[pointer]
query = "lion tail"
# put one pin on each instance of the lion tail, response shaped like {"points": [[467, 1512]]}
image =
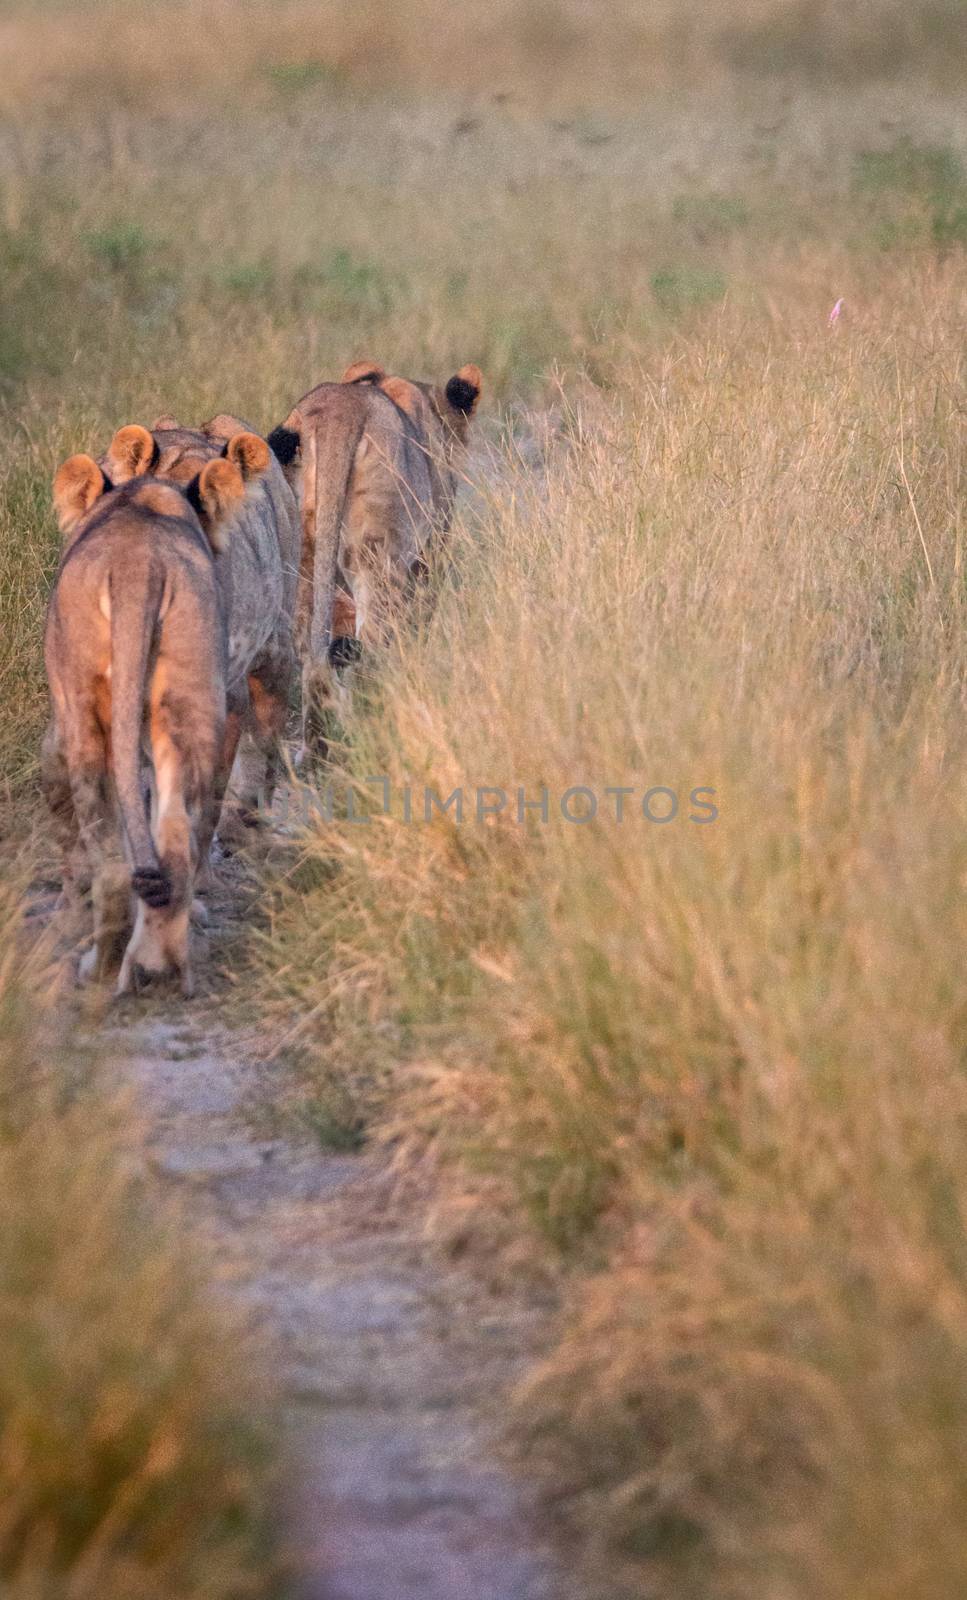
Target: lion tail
{"points": [[135, 609], [329, 454]]}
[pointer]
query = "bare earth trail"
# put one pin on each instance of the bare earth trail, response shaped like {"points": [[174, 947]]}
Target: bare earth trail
{"points": [[392, 1372]]}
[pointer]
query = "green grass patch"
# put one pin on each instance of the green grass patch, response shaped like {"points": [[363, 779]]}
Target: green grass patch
{"points": [[680, 289]]}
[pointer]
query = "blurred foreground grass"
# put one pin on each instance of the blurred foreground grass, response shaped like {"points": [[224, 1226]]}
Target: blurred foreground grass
{"points": [[136, 1452]]}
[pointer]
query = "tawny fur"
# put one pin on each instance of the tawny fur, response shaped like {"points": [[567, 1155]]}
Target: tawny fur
{"points": [[257, 577], [373, 460], [135, 653]]}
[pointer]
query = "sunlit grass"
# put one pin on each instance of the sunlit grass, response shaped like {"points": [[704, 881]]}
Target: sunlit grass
{"points": [[720, 1063]]}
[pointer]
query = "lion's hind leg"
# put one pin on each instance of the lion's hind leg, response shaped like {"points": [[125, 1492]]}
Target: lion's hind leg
{"points": [[184, 779], [55, 786], [269, 690], [260, 764], [92, 831]]}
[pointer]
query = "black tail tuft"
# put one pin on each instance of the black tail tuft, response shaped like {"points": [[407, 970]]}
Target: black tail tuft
{"points": [[284, 444], [152, 885], [344, 651], [461, 394]]}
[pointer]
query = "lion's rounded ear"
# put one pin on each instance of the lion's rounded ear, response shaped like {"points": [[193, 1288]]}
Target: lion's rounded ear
{"points": [[363, 372], [78, 484], [216, 494], [407, 396], [132, 452], [250, 454], [166, 423], [463, 389], [223, 426]]}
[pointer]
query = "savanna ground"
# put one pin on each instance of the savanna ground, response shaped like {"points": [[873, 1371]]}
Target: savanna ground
{"points": [[702, 1081]]}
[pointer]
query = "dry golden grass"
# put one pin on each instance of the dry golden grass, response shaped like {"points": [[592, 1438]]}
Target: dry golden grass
{"points": [[135, 1456], [721, 1064]]}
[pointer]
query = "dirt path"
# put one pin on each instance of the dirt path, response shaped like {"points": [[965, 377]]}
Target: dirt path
{"points": [[392, 1372]]}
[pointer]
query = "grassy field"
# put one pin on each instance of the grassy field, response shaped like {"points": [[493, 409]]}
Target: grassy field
{"points": [[709, 1075]]}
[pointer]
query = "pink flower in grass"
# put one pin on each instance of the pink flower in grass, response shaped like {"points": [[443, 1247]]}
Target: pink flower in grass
{"points": [[835, 313]]}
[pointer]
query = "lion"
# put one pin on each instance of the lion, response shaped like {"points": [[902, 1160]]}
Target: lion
{"points": [[373, 460], [257, 576], [442, 415], [135, 650]]}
